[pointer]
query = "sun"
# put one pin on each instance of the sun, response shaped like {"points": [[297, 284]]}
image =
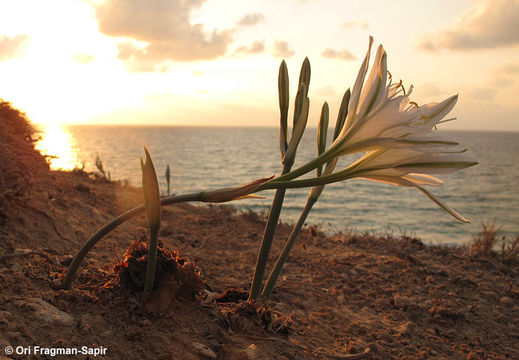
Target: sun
{"points": [[58, 146]]}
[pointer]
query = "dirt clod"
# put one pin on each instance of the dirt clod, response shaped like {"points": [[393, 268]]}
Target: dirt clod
{"points": [[179, 273]]}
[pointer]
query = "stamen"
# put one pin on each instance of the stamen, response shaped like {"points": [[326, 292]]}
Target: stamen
{"points": [[451, 119], [398, 87], [402, 86]]}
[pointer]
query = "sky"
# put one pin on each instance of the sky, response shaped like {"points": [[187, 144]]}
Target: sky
{"points": [[215, 62]]}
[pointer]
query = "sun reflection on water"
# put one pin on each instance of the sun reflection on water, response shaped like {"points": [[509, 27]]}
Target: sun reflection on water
{"points": [[57, 143]]}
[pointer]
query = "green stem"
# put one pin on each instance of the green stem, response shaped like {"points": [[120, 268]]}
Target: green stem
{"points": [[309, 166], [151, 261], [322, 180], [267, 290], [345, 174], [266, 240], [76, 262]]}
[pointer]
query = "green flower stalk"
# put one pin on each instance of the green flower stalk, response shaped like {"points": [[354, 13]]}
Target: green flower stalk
{"points": [[288, 153], [99, 165], [168, 178], [150, 188], [315, 191]]}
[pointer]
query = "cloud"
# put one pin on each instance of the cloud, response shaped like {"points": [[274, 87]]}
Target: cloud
{"points": [[480, 115], [326, 92], [165, 30], [127, 49], [82, 58], [505, 75], [488, 24], [483, 94], [282, 49], [501, 81], [354, 25], [429, 90], [12, 47], [256, 47], [251, 19], [341, 54], [509, 69]]}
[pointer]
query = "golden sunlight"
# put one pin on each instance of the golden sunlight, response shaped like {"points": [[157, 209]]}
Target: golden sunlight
{"points": [[57, 145]]}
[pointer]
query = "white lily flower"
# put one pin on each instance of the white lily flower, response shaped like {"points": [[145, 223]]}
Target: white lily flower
{"points": [[397, 134], [381, 115]]}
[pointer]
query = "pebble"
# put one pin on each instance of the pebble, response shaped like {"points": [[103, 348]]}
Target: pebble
{"points": [[66, 260], [45, 311], [106, 333], [251, 352], [204, 350], [507, 301]]}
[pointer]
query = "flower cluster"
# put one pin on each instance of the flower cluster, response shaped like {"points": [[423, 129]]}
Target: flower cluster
{"points": [[395, 133]]}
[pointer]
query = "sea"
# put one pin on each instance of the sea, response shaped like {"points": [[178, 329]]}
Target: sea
{"points": [[204, 158]]}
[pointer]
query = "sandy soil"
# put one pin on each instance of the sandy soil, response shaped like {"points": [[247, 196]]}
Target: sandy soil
{"points": [[341, 297]]}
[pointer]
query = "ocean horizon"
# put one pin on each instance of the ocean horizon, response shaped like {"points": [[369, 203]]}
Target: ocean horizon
{"points": [[207, 157]]}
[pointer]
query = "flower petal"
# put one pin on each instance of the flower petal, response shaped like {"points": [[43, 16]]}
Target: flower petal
{"points": [[443, 205], [423, 179], [404, 182], [375, 84], [357, 89]]}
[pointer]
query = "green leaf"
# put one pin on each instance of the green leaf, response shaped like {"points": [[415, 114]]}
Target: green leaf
{"points": [[150, 187]]}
